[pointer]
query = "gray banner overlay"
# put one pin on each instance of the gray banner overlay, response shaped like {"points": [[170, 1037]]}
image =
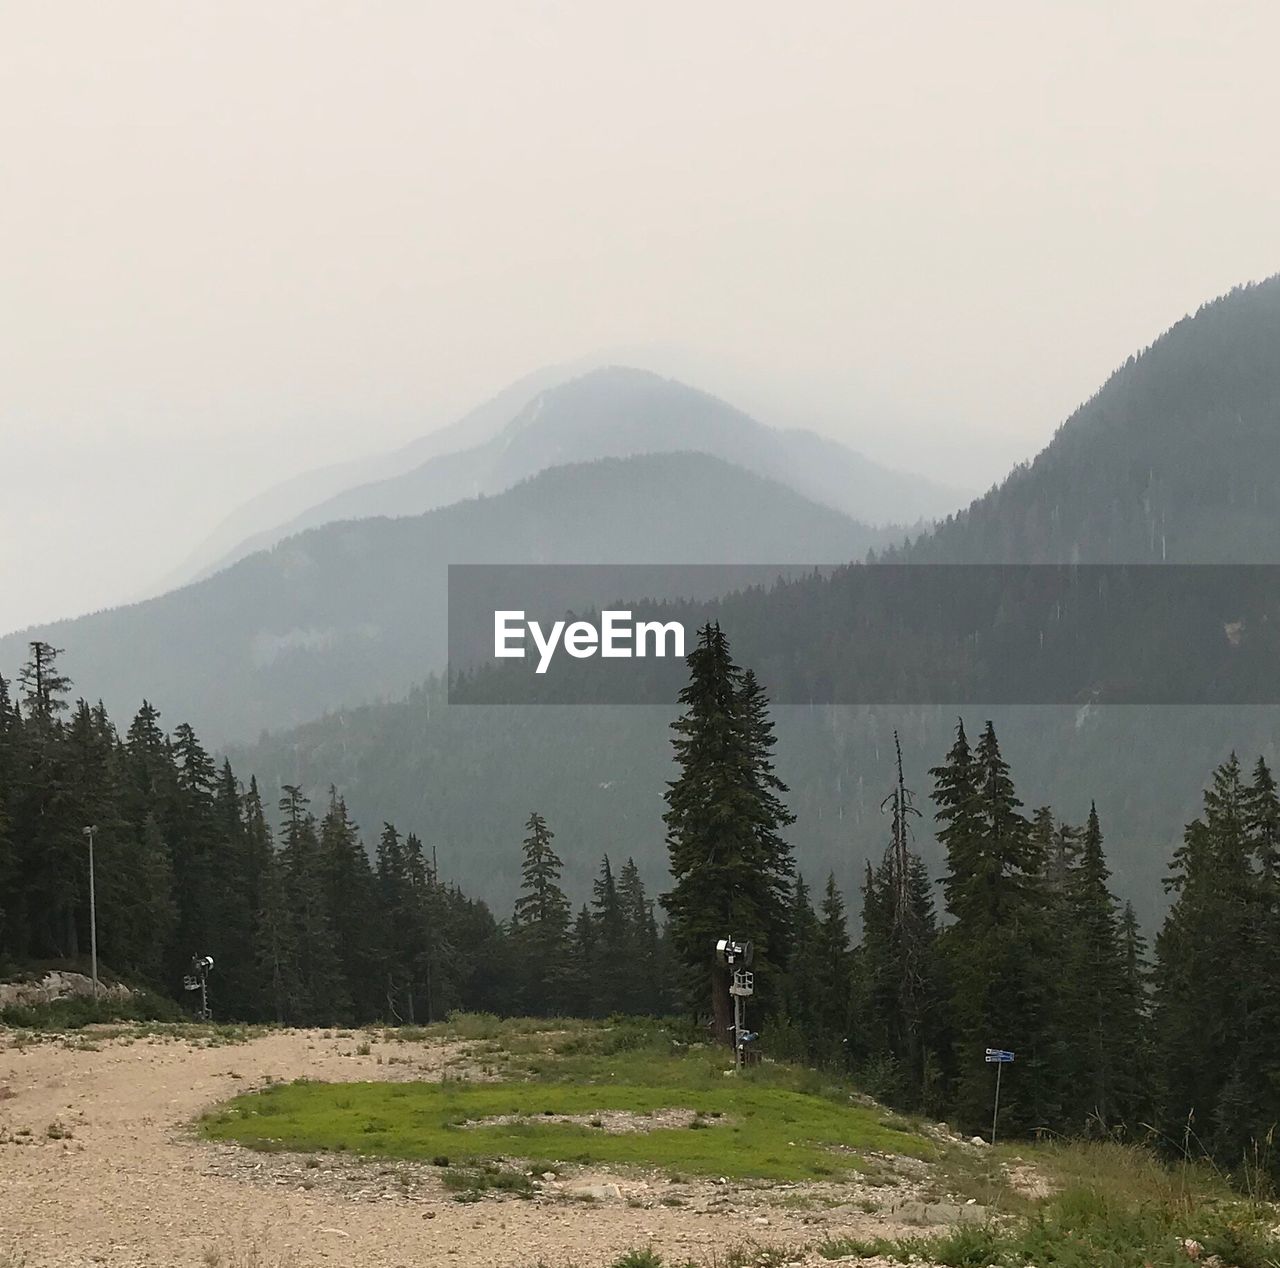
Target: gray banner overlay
{"points": [[871, 634]]}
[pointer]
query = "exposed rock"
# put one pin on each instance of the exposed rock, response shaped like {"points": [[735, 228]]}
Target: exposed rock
{"points": [[936, 1214], [56, 985]]}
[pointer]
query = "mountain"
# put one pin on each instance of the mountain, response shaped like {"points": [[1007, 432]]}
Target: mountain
{"points": [[1176, 458], [355, 611], [259, 517], [617, 412]]}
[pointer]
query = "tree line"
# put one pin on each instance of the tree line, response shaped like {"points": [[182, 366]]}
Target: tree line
{"points": [[1022, 946], [1022, 943], [306, 926]]}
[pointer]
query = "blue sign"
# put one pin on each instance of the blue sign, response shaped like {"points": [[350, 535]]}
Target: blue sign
{"points": [[999, 1054]]}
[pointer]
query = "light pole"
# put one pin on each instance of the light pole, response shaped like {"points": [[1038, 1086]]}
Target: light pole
{"points": [[93, 912]]}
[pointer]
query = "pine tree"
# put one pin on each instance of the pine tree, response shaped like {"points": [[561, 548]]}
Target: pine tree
{"points": [[49, 841], [191, 831], [277, 945], [44, 685], [580, 967], [996, 953], [1105, 1029], [833, 981], [9, 879], [645, 990], [907, 992], [232, 901], [322, 990], [802, 1001], [1254, 1117], [614, 971], [541, 923], [729, 865], [395, 902], [771, 815], [1201, 1013], [351, 900], [418, 929]]}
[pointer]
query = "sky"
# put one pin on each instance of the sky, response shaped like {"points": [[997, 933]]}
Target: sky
{"points": [[239, 240]]}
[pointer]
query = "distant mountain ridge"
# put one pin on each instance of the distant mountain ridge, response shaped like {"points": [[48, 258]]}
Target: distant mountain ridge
{"points": [[618, 412], [1177, 457], [260, 515], [354, 611]]}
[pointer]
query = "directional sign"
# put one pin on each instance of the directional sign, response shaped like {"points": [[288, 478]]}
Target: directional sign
{"points": [[999, 1054]]}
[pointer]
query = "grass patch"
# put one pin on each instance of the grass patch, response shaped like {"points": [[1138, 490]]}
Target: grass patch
{"points": [[1119, 1208], [77, 1011], [780, 1125], [471, 1184]]}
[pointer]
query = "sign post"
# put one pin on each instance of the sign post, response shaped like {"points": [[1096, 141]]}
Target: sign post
{"points": [[999, 1057]]}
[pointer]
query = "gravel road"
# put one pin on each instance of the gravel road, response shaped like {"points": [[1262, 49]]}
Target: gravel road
{"points": [[98, 1165]]}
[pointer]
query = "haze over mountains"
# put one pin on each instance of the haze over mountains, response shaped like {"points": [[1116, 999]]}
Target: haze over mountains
{"points": [[610, 412], [257, 518], [1176, 458], [354, 611], [1151, 453]]}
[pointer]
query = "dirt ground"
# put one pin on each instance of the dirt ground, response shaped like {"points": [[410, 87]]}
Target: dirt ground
{"points": [[99, 1165]]}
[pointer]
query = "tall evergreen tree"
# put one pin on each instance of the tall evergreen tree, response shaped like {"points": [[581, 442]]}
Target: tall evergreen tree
{"points": [[322, 990], [1001, 981], [833, 982], [396, 901], [351, 899], [802, 1001], [541, 924], [1202, 1013], [1106, 1030], [729, 865], [614, 971], [646, 982]]}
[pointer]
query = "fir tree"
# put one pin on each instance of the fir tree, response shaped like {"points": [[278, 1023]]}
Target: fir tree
{"points": [[729, 866], [1202, 1013], [395, 902], [802, 1000], [322, 990], [1104, 1027], [541, 923], [580, 967], [614, 971], [833, 980], [351, 899], [646, 993], [995, 949]]}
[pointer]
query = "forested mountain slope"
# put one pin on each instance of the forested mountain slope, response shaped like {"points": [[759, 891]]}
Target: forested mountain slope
{"points": [[1178, 457], [354, 611]]}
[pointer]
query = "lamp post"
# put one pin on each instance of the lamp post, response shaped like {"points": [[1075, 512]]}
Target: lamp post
{"points": [[93, 912]]}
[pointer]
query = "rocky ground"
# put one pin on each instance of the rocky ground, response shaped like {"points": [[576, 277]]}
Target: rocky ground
{"points": [[99, 1165]]}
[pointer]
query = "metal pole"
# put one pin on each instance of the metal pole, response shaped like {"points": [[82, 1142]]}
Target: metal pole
{"points": [[995, 1113], [737, 1031], [93, 913]]}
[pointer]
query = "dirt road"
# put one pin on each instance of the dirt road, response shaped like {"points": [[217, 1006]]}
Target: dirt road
{"points": [[98, 1165]]}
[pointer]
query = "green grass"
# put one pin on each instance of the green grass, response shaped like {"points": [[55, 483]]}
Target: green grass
{"points": [[777, 1123], [1117, 1206], [1087, 1228], [78, 1011]]}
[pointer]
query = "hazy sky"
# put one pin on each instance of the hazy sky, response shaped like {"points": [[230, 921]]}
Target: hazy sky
{"points": [[240, 239]]}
